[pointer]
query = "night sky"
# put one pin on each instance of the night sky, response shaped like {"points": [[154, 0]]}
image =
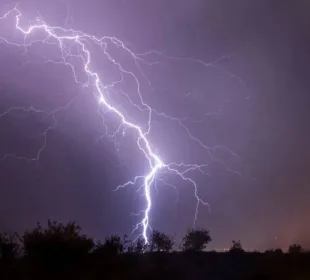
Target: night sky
{"points": [[252, 104]]}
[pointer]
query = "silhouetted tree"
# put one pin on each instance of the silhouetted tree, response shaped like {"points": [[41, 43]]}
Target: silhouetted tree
{"points": [[295, 249], [278, 252], [196, 240], [113, 245], [159, 241], [137, 246], [140, 246], [56, 242], [274, 253], [9, 247], [236, 247]]}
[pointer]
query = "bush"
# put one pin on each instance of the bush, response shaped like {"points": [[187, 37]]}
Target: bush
{"points": [[295, 249], [9, 248], [196, 240], [160, 242], [56, 242], [137, 247], [113, 245], [236, 247]]}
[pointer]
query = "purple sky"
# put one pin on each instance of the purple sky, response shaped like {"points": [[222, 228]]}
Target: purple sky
{"points": [[259, 94]]}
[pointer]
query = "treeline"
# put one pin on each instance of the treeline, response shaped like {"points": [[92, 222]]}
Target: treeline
{"points": [[58, 240], [66, 242]]}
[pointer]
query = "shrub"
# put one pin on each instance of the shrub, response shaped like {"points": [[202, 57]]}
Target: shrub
{"points": [[196, 240]]}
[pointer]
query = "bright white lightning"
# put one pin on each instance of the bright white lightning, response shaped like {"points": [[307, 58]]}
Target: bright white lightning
{"points": [[68, 37]]}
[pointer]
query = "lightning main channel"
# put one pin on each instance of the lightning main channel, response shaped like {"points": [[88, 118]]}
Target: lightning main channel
{"points": [[67, 39]]}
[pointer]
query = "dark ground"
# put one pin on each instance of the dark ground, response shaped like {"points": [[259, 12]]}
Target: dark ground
{"points": [[215, 266]]}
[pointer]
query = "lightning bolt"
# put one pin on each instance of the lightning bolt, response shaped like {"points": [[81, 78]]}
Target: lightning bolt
{"points": [[76, 46]]}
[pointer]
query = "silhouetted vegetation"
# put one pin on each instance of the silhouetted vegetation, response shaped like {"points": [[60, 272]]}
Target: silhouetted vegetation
{"points": [[160, 242], [137, 247], [113, 245], [196, 240], [295, 249], [56, 242], [9, 247], [61, 251], [236, 247]]}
